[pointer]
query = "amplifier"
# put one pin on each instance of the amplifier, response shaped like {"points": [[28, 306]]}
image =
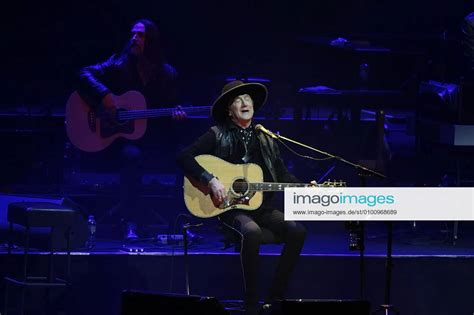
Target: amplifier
{"points": [[320, 307]]}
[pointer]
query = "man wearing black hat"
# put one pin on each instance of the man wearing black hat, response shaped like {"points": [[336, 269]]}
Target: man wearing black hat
{"points": [[235, 140]]}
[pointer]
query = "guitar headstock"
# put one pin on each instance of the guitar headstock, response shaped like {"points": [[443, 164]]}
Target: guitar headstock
{"points": [[333, 183]]}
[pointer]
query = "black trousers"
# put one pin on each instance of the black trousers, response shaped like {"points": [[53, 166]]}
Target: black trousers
{"points": [[131, 173], [249, 225]]}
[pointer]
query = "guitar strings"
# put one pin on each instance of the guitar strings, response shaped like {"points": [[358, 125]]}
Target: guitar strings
{"points": [[158, 111], [271, 186]]}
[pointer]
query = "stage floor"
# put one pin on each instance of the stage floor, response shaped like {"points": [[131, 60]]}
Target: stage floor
{"points": [[430, 274]]}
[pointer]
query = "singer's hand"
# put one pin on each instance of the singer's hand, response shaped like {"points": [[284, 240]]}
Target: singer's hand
{"points": [[217, 189]]}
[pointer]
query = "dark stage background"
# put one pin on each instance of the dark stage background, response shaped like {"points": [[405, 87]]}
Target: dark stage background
{"points": [[404, 43], [45, 44]]}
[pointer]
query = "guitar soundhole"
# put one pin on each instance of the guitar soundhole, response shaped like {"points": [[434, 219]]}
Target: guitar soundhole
{"points": [[240, 186]]}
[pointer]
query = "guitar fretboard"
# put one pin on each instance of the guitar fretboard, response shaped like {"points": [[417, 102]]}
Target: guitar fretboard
{"points": [[274, 186], [244, 186], [159, 112]]}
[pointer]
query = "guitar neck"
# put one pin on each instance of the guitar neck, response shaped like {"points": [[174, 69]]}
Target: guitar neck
{"points": [[274, 186], [159, 112]]}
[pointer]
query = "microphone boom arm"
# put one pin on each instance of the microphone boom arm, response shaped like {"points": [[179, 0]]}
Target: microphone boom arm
{"points": [[357, 166]]}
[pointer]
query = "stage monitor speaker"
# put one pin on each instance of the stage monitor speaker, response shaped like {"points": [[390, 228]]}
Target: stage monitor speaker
{"points": [[154, 303], [321, 307]]}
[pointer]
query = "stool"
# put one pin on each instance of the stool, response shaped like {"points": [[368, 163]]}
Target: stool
{"points": [[38, 214]]}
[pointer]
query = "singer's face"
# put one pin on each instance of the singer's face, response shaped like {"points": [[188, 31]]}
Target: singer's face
{"points": [[138, 39], [241, 110]]}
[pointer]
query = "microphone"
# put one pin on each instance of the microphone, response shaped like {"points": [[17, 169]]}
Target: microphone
{"points": [[266, 131]]}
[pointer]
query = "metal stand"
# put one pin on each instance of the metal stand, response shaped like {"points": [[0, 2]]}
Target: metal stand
{"points": [[360, 241], [186, 227], [186, 262], [363, 173], [387, 307], [362, 261]]}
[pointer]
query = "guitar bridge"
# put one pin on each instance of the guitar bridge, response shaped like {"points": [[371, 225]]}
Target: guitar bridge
{"points": [[232, 200], [91, 120], [109, 125]]}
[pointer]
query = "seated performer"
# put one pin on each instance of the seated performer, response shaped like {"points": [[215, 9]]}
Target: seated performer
{"points": [[236, 140], [140, 66]]}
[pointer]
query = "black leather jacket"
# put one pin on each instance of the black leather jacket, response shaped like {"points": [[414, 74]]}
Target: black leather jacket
{"points": [[223, 142], [118, 75]]}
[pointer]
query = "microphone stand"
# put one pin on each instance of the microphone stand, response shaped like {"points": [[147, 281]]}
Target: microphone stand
{"points": [[359, 167], [363, 173], [186, 227]]}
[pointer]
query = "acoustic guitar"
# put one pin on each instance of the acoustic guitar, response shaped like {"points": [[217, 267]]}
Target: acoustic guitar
{"points": [[243, 184], [93, 130]]}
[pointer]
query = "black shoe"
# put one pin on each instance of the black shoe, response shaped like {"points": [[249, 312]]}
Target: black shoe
{"points": [[252, 307], [271, 305], [266, 306], [266, 309]]}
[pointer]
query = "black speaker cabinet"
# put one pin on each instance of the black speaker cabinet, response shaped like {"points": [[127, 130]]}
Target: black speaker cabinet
{"points": [[321, 307], [154, 303]]}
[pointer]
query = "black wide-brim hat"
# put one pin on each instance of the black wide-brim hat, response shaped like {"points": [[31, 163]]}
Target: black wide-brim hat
{"points": [[257, 91]]}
